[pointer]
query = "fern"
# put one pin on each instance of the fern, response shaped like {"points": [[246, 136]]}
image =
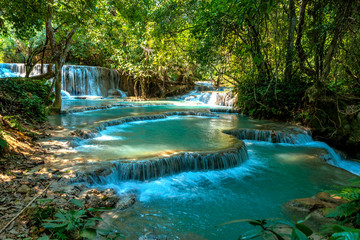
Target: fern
{"points": [[349, 212]]}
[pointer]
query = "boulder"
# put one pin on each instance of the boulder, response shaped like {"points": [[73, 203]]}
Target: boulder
{"points": [[100, 199], [23, 189], [318, 206]]}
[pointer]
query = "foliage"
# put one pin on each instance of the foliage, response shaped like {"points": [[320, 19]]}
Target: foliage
{"points": [[73, 224], [24, 98], [268, 229], [3, 143], [273, 100], [348, 212]]}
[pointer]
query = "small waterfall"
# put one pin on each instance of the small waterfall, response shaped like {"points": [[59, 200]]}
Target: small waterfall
{"points": [[65, 94], [224, 110], [18, 70], [143, 170], [212, 98], [93, 81], [76, 80], [335, 158], [274, 136]]}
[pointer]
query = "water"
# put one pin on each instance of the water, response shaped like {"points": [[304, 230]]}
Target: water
{"points": [[84, 119], [75, 80], [151, 138], [192, 204]]}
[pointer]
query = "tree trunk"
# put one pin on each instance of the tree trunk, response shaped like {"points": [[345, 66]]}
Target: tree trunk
{"points": [[290, 42], [57, 80], [342, 18]]}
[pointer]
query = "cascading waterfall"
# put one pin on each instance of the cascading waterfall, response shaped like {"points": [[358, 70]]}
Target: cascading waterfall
{"points": [[76, 80], [298, 137], [274, 136], [18, 70], [154, 168], [206, 93], [212, 98], [93, 81]]}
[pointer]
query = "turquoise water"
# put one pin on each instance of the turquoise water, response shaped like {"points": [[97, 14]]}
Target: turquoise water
{"points": [[191, 205], [156, 137], [84, 119]]}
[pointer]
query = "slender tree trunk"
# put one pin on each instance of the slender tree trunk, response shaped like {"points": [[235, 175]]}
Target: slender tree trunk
{"points": [[300, 51], [290, 42], [57, 80]]}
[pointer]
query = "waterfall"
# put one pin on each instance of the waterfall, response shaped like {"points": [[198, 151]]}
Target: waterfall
{"points": [[274, 136], [143, 170], [212, 98], [76, 80], [93, 81]]}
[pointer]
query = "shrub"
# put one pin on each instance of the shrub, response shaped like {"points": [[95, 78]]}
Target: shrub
{"points": [[24, 97]]}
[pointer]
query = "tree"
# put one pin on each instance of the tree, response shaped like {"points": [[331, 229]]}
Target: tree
{"points": [[61, 20]]}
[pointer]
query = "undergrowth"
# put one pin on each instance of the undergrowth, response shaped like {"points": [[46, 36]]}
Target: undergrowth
{"points": [[24, 99]]}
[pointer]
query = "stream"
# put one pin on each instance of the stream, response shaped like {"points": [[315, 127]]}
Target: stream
{"points": [[191, 165], [192, 204]]}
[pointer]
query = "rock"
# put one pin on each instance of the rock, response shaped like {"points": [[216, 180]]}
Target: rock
{"points": [[318, 206], [126, 202], [100, 199], [23, 189], [85, 134], [114, 93], [330, 198], [310, 204]]}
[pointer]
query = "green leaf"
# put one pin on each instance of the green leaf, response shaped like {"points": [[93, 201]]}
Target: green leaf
{"points": [[44, 238], [54, 225], [61, 216], [345, 236], [77, 202], [79, 214], [304, 229], [102, 209], [298, 235], [88, 233], [236, 221]]}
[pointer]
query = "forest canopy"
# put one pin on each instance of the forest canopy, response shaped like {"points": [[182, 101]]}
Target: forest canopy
{"points": [[287, 59]]}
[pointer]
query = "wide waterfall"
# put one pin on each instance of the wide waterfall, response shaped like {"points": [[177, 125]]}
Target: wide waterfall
{"points": [[165, 166], [274, 136], [76, 80], [93, 81]]}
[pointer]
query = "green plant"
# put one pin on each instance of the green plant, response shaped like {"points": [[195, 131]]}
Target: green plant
{"points": [[344, 233], [13, 122], [268, 229], [348, 212], [73, 224]]}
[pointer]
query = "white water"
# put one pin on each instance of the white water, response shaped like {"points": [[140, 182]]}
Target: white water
{"points": [[197, 201], [210, 98], [76, 80]]}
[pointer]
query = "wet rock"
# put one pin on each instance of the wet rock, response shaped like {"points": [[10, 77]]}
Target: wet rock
{"points": [[126, 202], [85, 134], [23, 189], [100, 199], [114, 93], [318, 206]]}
